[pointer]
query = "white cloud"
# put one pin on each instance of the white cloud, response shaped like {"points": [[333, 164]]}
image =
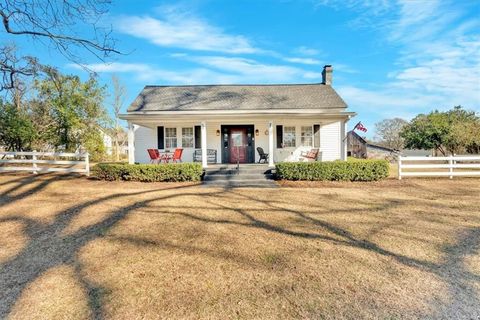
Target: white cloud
{"points": [[385, 102], [249, 70], [182, 30], [306, 51], [211, 70], [151, 74], [114, 67], [309, 61], [438, 63]]}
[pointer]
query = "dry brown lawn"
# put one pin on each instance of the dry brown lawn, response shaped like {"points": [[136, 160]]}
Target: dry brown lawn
{"points": [[73, 248]]}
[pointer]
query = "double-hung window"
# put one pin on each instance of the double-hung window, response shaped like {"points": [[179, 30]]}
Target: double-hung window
{"points": [[170, 138], [289, 136], [187, 137], [306, 136]]}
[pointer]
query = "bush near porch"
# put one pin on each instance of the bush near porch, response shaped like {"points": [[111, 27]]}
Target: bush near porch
{"points": [[359, 170], [169, 172]]}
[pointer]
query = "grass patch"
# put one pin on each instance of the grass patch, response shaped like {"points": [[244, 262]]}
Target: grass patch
{"points": [[79, 248]]}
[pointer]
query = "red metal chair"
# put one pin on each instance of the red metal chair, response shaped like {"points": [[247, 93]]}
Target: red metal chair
{"points": [[176, 157], [154, 155]]}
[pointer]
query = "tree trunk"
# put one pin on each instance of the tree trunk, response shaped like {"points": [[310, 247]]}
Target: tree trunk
{"points": [[117, 153]]}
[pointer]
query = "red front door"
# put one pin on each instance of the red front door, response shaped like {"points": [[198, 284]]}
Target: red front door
{"points": [[238, 145]]}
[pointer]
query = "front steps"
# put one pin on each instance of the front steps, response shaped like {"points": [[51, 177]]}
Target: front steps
{"points": [[248, 175]]}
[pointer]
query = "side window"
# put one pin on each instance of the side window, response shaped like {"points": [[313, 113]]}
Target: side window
{"points": [[289, 136], [170, 138], [187, 137], [306, 136]]}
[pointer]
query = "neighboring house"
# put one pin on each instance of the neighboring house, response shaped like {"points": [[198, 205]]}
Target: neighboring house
{"points": [[233, 120], [108, 136], [417, 153], [358, 147], [107, 140]]}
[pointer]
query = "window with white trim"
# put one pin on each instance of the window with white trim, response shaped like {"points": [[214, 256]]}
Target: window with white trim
{"points": [[187, 137], [170, 138], [289, 137], [306, 136]]}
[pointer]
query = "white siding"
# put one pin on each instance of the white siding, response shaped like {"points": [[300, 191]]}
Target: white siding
{"points": [[145, 138], [331, 141]]}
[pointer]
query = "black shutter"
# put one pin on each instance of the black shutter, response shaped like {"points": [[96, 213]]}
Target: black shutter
{"points": [[160, 138], [198, 137], [316, 136], [279, 136]]}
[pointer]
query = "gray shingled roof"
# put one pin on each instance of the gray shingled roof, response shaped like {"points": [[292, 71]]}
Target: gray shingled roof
{"points": [[237, 97]]}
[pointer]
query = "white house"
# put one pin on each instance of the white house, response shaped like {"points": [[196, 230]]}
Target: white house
{"points": [[227, 123]]}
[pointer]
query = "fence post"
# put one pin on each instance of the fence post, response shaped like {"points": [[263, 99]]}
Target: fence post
{"points": [[399, 167], [87, 164], [34, 162], [450, 169]]}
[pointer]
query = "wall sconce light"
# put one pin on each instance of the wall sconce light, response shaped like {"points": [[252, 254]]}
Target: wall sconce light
{"points": [[257, 132], [218, 132], [266, 132]]}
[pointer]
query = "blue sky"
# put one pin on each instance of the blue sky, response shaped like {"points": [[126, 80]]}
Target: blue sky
{"points": [[390, 58]]}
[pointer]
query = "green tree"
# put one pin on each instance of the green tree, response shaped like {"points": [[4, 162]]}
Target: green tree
{"points": [[463, 131], [75, 109], [454, 131], [16, 128]]}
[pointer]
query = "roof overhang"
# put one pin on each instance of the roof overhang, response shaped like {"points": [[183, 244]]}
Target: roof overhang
{"points": [[237, 114]]}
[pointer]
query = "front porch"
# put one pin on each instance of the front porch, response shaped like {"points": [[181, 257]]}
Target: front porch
{"points": [[239, 138]]}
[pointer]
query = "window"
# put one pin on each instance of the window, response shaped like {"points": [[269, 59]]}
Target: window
{"points": [[187, 137], [306, 136], [170, 138], [289, 137]]}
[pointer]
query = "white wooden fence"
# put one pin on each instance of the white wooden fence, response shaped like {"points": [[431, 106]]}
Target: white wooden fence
{"points": [[450, 166], [81, 165]]}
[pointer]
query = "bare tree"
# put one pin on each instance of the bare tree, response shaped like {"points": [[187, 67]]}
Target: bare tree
{"points": [[387, 133], [13, 68], [119, 93], [59, 24]]}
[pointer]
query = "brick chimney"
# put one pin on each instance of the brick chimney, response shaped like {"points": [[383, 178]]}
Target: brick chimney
{"points": [[327, 75]]}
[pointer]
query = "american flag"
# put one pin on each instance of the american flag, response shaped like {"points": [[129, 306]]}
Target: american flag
{"points": [[360, 127]]}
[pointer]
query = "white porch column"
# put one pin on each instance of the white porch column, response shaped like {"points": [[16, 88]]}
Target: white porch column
{"points": [[344, 140], [204, 144], [131, 143], [270, 144]]}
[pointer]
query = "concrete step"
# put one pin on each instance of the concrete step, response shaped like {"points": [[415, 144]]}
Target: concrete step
{"points": [[250, 175], [241, 184], [239, 171], [242, 177]]}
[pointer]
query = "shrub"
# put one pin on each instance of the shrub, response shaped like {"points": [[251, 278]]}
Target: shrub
{"points": [[170, 172], [359, 170]]}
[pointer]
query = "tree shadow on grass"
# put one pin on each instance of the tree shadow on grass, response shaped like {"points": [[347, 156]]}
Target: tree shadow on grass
{"points": [[48, 248], [32, 183], [463, 299]]}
